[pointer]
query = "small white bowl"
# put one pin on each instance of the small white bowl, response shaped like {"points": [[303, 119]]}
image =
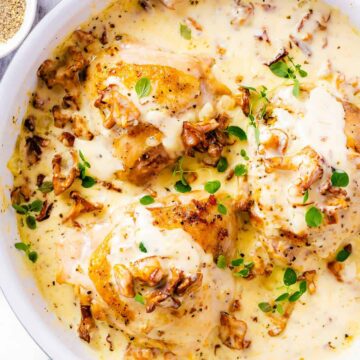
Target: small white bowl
{"points": [[14, 42]]}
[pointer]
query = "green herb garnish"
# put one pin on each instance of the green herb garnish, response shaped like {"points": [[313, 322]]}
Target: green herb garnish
{"points": [[32, 255], [27, 209], [244, 154], [142, 247], [237, 131], [140, 299], [240, 170], [181, 188], [222, 165], [222, 209], [86, 181], [143, 87], [340, 178], [290, 277], [185, 32], [221, 262], [212, 186], [282, 297], [285, 68], [313, 217], [265, 307], [306, 196], [147, 200], [46, 187], [344, 253], [237, 262]]}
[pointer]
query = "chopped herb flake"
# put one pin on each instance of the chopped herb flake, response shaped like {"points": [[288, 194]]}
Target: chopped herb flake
{"points": [[143, 87], [185, 32], [222, 209], [147, 200], [265, 307], [238, 132], [140, 299], [340, 178], [240, 170], [222, 165], [142, 248], [212, 186], [313, 217], [290, 277], [221, 262]]}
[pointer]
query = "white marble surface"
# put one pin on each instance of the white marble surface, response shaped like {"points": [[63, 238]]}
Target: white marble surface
{"points": [[16, 343]]}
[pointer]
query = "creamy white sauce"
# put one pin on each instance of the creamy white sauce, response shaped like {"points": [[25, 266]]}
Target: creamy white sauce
{"points": [[318, 320]]}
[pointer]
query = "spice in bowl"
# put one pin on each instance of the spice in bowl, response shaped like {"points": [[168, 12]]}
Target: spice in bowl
{"points": [[12, 13]]}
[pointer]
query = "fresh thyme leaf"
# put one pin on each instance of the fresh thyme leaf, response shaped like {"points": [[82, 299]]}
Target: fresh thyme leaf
{"points": [[88, 182], [143, 87], [280, 309], [306, 196], [142, 248], [212, 186], [295, 296], [222, 165], [249, 265], [244, 154], [244, 273], [296, 88], [221, 262], [290, 277], [22, 246], [280, 69], [181, 188], [36, 206], [237, 262], [222, 209], [140, 299], [265, 307], [82, 157], [343, 254], [31, 222], [238, 132], [313, 217], [282, 297], [21, 209], [185, 32], [240, 170], [147, 200], [33, 256], [303, 287], [46, 187], [340, 178]]}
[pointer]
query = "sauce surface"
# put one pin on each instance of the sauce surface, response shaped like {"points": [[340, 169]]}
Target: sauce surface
{"points": [[194, 43]]}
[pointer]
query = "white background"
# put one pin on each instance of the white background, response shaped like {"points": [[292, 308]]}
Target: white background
{"points": [[15, 342]]}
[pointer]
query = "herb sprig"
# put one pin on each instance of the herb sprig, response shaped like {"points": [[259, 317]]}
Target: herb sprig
{"points": [[26, 248], [290, 295], [287, 69], [28, 210], [181, 186], [86, 181]]}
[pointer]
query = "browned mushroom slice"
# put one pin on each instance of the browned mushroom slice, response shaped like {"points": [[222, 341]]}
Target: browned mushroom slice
{"points": [[307, 162], [352, 125], [34, 147], [45, 211], [243, 99], [214, 232], [280, 321], [60, 118], [232, 332], [87, 323], [21, 193], [206, 137], [67, 139], [65, 73], [116, 108], [81, 206], [143, 156], [62, 182], [148, 271], [80, 128], [124, 280]]}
